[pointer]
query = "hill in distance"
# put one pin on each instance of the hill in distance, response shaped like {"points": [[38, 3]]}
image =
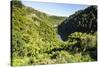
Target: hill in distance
{"points": [[81, 21]]}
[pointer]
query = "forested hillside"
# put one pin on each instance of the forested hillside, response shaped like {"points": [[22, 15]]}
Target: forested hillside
{"points": [[81, 21], [35, 36], [80, 32]]}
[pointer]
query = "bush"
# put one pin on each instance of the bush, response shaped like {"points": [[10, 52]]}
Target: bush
{"points": [[83, 40]]}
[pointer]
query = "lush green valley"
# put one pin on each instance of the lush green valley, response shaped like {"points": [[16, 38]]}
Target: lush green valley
{"points": [[35, 36]]}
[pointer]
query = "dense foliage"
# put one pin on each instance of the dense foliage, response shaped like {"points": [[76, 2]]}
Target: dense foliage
{"points": [[35, 39]]}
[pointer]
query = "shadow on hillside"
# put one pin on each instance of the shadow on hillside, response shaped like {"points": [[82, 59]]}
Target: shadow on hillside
{"points": [[65, 29], [81, 21], [92, 52], [71, 26]]}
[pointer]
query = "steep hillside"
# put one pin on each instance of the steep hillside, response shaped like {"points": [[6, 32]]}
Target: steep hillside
{"points": [[33, 33], [81, 21], [79, 31]]}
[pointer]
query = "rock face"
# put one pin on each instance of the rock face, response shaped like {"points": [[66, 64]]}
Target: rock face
{"points": [[81, 21]]}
